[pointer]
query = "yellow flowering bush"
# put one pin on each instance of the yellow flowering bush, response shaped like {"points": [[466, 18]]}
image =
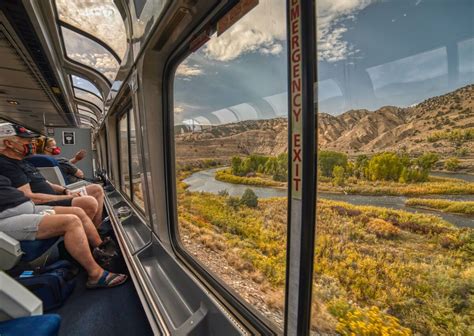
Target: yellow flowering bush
{"points": [[370, 322]]}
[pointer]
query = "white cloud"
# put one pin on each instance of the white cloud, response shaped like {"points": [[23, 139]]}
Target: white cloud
{"points": [[186, 70], [331, 45], [263, 30]]}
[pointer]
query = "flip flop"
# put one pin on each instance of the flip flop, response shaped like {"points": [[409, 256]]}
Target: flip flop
{"points": [[107, 280]]}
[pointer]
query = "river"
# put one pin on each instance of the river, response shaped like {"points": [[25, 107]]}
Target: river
{"points": [[205, 181]]}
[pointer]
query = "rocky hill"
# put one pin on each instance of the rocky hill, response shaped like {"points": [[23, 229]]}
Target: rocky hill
{"points": [[389, 128]]}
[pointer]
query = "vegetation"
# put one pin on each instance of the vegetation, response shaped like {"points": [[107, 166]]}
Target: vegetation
{"points": [[225, 175], [443, 205], [377, 271], [277, 167], [249, 198], [328, 160], [457, 136], [451, 164]]}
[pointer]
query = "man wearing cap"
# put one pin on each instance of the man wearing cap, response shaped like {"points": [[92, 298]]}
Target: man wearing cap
{"points": [[16, 142]]}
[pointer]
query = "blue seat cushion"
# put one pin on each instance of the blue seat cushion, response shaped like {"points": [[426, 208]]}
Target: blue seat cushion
{"points": [[35, 248], [42, 161], [41, 325]]}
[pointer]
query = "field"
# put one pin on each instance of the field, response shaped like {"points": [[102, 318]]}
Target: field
{"points": [[377, 271]]}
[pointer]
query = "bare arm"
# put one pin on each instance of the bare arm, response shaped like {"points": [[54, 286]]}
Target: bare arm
{"points": [[39, 198], [79, 173], [78, 156], [56, 187]]}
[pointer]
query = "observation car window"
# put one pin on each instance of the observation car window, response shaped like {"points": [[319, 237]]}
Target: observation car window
{"points": [[137, 172], [228, 96], [146, 14], [83, 50], [394, 133], [90, 97], [99, 18], [85, 85], [87, 114], [124, 155]]}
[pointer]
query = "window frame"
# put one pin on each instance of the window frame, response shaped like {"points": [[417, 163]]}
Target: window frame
{"points": [[243, 311], [126, 111]]}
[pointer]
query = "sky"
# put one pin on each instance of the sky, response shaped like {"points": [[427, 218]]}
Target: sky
{"points": [[370, 53]]}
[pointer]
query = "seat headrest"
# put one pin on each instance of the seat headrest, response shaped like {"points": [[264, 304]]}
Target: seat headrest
{"points": [[42, 161]]}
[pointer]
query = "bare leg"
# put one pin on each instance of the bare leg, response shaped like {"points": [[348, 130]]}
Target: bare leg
{"points": [[97, 192], [75, 240], [86, 203], [91, 231]]}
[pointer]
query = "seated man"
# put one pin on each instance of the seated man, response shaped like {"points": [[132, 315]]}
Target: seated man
{"points": [[15, 145], [21, 219], [48, 146]]}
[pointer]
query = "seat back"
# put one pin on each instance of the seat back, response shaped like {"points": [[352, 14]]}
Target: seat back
{"points": [[48, 167], [53, 175], [34, 249]]}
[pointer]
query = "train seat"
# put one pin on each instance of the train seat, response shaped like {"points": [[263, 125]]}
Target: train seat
{"points": [[49, 168], [42, 325]]}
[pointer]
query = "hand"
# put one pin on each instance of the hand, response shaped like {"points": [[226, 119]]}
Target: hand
{"points": [[75, 194], [80, 155]]}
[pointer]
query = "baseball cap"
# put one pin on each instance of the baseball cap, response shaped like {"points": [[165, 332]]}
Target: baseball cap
{"points": [[8, 129]]}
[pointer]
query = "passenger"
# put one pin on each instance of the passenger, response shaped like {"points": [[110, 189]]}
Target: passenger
{"points": [[47, 146], [21, 219], [16, 143]]}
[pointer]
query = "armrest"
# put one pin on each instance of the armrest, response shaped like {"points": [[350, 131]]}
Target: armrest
{"points": [[10, 251], [16, 300]]}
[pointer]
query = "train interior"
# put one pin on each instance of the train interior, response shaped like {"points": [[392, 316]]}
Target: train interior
{"points": [[144, 86]]}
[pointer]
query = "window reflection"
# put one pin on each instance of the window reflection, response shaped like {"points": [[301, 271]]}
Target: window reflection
{"points": [[87, 52], [136, 174], [99, 18]]}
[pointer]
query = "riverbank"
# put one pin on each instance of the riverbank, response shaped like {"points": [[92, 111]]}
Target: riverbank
{"points": [[436, 186], [368, 260], [466, 208]]}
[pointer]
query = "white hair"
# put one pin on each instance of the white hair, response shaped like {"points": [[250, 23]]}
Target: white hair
{"points": [[2, 141]]}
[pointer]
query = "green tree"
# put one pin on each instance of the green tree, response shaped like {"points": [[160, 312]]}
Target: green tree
{"points": [[236, 164], [249, 198], [427, 161], [327, 160], [338, 176], [385, 166], [361, 165]]}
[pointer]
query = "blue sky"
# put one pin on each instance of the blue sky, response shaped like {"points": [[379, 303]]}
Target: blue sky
{"points": [[377, 53]]}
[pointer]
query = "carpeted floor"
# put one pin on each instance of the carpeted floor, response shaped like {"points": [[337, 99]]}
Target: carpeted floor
{"points": [[113, 311]]}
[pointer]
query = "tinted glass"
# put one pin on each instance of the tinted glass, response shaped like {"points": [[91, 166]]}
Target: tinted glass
{"points": [[146, 13], [99, 18], [87, 96], [396, 131], [137, 174], [85, 85], [85, 51], [230, 118], [124, 155]]}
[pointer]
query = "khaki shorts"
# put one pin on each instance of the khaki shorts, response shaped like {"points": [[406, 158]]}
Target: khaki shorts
{"points": [[21, 222]]}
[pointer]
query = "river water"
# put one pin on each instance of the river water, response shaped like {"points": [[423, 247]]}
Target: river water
{"points": [[205, 181]]}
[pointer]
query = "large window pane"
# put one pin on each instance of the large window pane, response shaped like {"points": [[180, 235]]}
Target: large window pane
{"points": [[91, 98], [85, 85], [146, 13], [124, 155], [99, 18], [393, 249], [137, 172], [230, 117], [85, 51]]}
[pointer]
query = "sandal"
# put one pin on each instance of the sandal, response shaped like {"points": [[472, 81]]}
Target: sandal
{"points": [[107, 280]]}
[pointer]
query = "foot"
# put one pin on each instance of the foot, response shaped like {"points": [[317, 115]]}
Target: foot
{"points": [[107, 280]]}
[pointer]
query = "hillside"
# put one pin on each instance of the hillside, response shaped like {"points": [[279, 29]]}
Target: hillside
{"points": [[389, 128]]}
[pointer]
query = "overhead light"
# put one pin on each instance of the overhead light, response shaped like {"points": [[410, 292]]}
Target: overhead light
{"points": [[13, 102]]}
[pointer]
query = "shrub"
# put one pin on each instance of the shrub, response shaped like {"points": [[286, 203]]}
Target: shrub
{"points": [[370, 322], [338, 174], [249, 198], [451, 164], [382, 228]]}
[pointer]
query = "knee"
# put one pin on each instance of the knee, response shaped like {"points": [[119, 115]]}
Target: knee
{"points": [[95, 190], [89, 203], [79, 212], [72, 222]]}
